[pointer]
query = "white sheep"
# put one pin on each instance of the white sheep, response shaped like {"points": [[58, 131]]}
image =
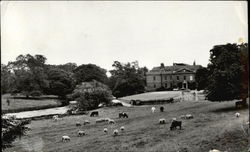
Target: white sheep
{"points": [[214, 150], [153, 109], [78, 124], [55, 118], [111, 121], [115, 132], [81, 133], [162, 121], [105, 130], [86, 122], [65, 138], [189, 116], [122, 128], [237, 114]]}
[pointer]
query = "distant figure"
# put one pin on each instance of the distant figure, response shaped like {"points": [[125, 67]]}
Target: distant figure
{"points": [[8, 102], [153, 109], [161, 109]]}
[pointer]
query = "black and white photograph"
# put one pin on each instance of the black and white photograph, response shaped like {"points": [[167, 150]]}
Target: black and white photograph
{"points": [[124, 76]]}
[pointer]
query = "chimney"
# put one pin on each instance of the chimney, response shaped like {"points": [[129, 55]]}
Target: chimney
{"points": [[162, 65]]}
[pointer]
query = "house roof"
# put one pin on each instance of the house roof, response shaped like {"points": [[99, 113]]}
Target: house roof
{"points": [[175, 68]]}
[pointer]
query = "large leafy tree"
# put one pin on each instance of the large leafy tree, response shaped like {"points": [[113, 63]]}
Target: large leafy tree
{"points": [[127, 79], [228, 72], [89, 72], [29, 73], [90, 94], [61, 82], [201, 78], [7, 79]]}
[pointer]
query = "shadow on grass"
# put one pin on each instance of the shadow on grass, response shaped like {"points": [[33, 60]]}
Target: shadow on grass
{"points": [[229, 109]]}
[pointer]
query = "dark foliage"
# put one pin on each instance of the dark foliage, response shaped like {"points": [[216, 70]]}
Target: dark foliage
{"points": [[11, 129], [228, 72], [89, 72]]}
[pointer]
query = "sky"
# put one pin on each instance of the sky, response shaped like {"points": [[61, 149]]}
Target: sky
{"points": [[101, 32]]}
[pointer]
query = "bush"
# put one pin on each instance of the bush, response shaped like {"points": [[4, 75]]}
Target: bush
{"points": [[11, 128], [90, 98]]}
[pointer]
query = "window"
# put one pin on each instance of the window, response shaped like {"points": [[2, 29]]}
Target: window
{"points": [[165, 77], [154, 78], [177, 77], [166, 85], [184, 77], [191, 77], [154, 86], [170, 77]]}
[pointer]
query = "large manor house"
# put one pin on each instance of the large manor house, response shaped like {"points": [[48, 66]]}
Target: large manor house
{"points": [[178, 76]]}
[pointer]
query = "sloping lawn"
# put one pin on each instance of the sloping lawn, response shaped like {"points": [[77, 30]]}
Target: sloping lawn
{"points": [[18, 105], [214, 126], [153, 95]]}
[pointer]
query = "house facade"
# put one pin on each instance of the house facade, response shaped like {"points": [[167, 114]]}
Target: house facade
{"points": [[179, 75]]}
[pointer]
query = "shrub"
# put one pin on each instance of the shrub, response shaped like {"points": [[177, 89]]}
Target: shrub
{"points": [[11, 128], [90, 95]]}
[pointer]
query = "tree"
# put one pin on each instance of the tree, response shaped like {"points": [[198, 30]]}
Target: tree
{"points": [[126, 79], [29, 73], [89, 72], [90, 94], [228, 72], [201, 78], [61, 82], [7, 79]]}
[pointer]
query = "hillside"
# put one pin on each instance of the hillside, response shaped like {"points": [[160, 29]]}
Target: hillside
{"points": [[214, 126]]}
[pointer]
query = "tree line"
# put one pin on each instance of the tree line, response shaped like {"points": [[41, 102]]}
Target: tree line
{"points": [[225, 77], [31, 76]]}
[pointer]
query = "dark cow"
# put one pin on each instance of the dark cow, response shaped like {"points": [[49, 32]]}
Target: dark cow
{"points": [[123, 115], [161, 109], [94, 113], [175, 124], [240, 104]]}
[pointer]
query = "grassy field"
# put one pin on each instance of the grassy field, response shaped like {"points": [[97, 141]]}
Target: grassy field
{"points": [[214, 126], [17, 105]]}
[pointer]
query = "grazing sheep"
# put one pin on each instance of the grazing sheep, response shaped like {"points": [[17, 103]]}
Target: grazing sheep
{"points": [[189, 116], [86, 122], [161, 109], [78, 124], [105, 130], [153, 109], [173, 119], [65, 138], [55, 118], [162, 121], [115, 132], [214, 150], [111, 121], [101, 120], [183, 117], [122, 128], [175, 124], [81, 133], [237, 114]]}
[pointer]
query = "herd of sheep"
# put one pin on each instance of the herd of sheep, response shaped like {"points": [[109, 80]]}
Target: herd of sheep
{"points": [[174, 123]]}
